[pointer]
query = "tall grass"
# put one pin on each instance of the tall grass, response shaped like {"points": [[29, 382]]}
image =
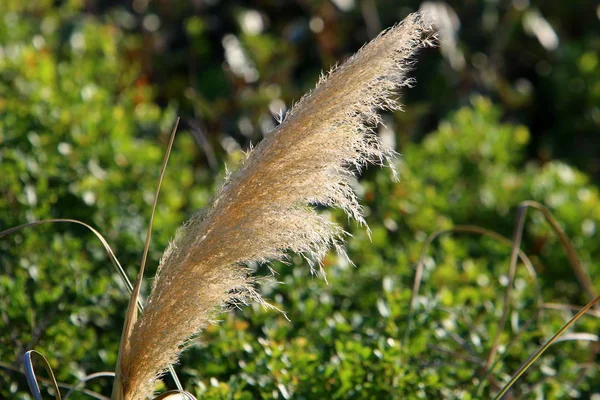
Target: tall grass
{"points": [[265, 209]]}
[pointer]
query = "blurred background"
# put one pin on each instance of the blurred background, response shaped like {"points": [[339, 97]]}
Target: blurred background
{"points": [[506, 109]]}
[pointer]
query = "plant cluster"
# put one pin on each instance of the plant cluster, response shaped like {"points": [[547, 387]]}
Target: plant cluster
{"points": [[83, 123]]}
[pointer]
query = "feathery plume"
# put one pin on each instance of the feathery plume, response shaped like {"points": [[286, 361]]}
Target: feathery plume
{"points": [[265, 209]]}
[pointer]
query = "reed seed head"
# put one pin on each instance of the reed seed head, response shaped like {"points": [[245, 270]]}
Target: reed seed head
{"points": [[266, 209]]}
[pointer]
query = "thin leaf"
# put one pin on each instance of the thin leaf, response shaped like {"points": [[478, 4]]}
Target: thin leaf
{"points": [[578, 336], [87, 378], [516, 245], [111, 255], [31, 377], [459, 229], [544, 347], [580, 272], [175, 395], [569, 307], [59, 384], [574, 260], [132, 311]]}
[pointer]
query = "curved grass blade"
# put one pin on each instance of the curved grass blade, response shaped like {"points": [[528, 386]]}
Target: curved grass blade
{"points": [[59, 384], [86, 379], [175, 395], [569, 307], [487, 373], [132, 311], [107, 248], [31, 377], [580, 272], [578, 336], [111, 255], [459, 229], [544, 347], [512, 269]]}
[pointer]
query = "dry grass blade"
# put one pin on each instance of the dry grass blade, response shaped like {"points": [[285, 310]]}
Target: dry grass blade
{"points": [[571, 254], [487, 374], [111, 255], [516, 248], [265, 210], [580, 272], [569, 307], [460, 229], [31, 377], [544, 347], [132, 310], [107, 248]]}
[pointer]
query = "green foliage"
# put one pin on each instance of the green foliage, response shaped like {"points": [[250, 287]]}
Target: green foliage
{"points": [[83, 123], [347, 339], [78, 139]]}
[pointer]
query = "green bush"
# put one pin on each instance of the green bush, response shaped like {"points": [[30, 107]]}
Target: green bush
{"points": [[80, 137], [347, 339], [82, 134]]}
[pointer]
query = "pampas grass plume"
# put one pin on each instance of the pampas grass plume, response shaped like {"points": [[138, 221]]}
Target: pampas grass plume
{"points": [[265, 209]]}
